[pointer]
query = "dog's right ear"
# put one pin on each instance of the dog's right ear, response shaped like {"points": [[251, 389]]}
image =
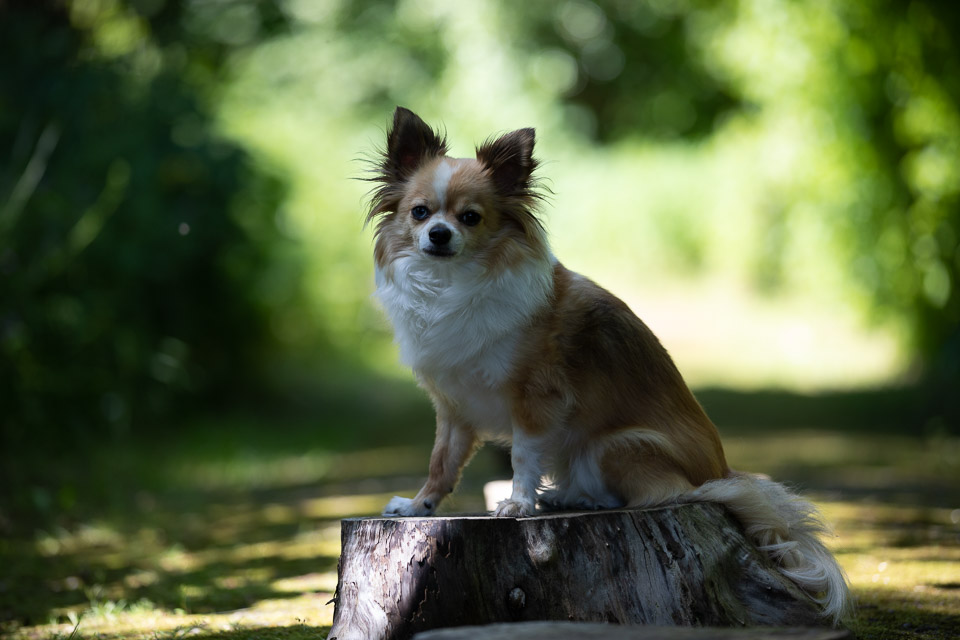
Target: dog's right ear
{"points": [[409, 143]]}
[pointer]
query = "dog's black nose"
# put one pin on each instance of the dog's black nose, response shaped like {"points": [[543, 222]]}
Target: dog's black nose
{"points": [[440, 235]]}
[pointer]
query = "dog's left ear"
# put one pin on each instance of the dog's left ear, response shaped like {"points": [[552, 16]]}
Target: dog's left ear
{"points": [[509, 160]]}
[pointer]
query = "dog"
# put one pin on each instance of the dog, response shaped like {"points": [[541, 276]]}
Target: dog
{"points": [[513, 347]]}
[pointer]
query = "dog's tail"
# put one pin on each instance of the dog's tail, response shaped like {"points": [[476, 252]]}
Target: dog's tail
{"points": [[787, 529]]}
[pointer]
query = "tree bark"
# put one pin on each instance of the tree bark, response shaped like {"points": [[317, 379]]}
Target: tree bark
{"points": [[687, 565]]}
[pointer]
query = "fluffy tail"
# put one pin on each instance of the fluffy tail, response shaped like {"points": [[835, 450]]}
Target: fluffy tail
{"points": [[786, 528]]}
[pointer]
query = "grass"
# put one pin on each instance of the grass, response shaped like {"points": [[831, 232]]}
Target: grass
{"points": [[230, 530]]}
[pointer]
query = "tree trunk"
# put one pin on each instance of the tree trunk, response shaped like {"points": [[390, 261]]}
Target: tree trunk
{"points": [[679, 565]]}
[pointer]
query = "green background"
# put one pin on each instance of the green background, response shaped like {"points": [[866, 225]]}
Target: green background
{"points": [[185, 280]]}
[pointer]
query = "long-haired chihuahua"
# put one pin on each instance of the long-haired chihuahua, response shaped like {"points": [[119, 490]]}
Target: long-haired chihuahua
{"points": [[513, 347]]}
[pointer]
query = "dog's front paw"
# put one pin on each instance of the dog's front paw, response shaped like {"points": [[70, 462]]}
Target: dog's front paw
{"points": [[405, 507], [514, 509]]}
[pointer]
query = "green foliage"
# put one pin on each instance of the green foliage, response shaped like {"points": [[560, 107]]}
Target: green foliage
{"points": [[132, 236], [629, 68], [806, 151], [872, 90], [874, 87]]}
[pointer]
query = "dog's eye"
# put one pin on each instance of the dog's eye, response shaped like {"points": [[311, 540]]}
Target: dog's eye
{"points": [[470, 218], [419, 212]]}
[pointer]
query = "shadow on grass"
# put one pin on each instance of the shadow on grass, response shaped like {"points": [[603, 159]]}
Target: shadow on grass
{"points": [[121, 571], [890, 615], [228, 509], [201, 632], [212, 516], [294, 632], [893, 411]]}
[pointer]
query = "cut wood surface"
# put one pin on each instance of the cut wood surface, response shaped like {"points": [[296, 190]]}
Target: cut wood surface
{"points": [[687, 565], [598, 631]]}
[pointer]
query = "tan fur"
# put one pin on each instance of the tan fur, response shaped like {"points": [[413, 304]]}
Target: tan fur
{"points": [[452, 449], [590, 396], [591, 360]]}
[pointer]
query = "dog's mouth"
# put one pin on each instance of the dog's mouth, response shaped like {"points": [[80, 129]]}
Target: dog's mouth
{"points": [[438, 252]]}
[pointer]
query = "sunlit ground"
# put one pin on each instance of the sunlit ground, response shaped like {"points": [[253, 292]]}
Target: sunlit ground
{"points": [[232, 530]]}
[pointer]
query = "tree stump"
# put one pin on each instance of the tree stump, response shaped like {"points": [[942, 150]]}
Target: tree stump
{"points": [[686, 565], [602, 631]]}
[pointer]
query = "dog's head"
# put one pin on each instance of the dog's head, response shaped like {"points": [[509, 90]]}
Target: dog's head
{"points": [[454, 209]]}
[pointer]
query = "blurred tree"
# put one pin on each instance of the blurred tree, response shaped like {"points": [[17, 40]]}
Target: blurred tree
{"points": [[134, 240], [829, 127], [635, 70], [877, 87], [903, 65], [876, 84]]}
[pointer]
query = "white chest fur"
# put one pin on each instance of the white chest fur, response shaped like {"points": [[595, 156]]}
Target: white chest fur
{"points": [[458, 327]]}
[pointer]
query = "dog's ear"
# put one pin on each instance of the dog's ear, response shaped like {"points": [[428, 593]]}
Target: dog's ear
{"points": [[509, 160], [510, 164], [409, 143]]}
